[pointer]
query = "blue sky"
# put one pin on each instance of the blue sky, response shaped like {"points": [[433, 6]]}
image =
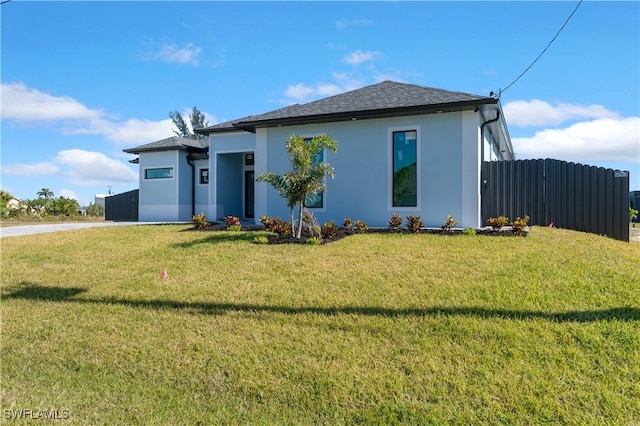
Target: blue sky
{"points": [[83, 80]]}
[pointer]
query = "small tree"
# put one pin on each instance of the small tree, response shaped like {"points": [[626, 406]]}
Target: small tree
{"points": [[196, 119], [633, 214], [306, 176]]}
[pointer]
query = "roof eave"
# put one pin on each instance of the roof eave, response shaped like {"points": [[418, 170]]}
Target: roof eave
{"points": [[364, 115]]}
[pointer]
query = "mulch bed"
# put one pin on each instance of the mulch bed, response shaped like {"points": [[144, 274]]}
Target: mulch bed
{"points": [[342, 233]]}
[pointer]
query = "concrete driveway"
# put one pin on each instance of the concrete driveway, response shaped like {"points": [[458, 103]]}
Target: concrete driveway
{"points": [[17, 231]]}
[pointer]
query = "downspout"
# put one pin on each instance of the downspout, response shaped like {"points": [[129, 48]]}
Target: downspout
{"points": [[193, 185], [484, 179], [493, 120]]}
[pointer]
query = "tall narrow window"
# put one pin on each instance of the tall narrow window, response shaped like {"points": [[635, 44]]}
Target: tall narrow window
{"points": [[405, 176]]}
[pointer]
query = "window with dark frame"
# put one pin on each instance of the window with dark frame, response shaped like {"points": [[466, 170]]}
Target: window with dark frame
{"points": [[204, 176], [405, 176], [159, 173]]}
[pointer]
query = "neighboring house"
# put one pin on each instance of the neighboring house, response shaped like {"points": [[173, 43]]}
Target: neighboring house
{"points": [[402, 148], [98, 199]]}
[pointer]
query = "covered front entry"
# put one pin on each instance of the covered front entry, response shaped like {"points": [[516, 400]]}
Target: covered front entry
{"points": [[235, 179]]}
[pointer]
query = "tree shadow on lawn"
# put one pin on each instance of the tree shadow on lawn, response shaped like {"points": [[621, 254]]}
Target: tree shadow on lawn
{"points": [[31, 291]]}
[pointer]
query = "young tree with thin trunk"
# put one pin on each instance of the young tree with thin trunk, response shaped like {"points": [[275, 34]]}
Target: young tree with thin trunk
{"points": [[306, 177]]}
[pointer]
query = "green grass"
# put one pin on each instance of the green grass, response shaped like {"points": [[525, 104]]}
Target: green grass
{"points": [[372, 329]]}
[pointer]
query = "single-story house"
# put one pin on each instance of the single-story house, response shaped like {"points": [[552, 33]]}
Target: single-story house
{"points": [[402, 148]]}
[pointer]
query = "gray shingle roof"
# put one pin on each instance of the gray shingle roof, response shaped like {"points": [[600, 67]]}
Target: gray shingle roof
{"points": [[172, 143], [379, 100]]}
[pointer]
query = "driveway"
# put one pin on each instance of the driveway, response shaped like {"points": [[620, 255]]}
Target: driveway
{"points": [[17, 231]]}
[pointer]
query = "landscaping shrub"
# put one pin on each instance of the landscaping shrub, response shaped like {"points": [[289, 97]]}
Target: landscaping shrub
{"points": [[449, 224], [519, 225], [497, 223], [362, 227], [276, 225], [414, 224], [266, 221], [231, 221], [310, 224], [314, 241], [329, 230], [200, 221], [348, 224], [468, 231], [395, 222]]}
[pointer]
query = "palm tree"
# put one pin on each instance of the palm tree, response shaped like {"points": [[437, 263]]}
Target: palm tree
{"points": [[45, 193], [306, 175]]}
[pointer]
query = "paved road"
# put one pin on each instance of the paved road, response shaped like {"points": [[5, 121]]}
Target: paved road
{"points": [[17, 231]]}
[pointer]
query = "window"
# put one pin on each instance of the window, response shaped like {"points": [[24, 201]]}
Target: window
{"points": [[159, 173], [405, 173], [316, 201], [248, 159], [204, 176]]}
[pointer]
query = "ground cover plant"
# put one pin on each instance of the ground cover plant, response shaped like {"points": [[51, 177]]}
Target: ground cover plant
{"points": [[392, 328]]}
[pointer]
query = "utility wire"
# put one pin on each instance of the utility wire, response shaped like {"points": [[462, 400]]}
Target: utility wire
{"points": [[542, 53]]}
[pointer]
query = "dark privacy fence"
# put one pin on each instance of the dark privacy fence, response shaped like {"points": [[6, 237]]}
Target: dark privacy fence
{"points": [[571, 196], [122, 207]]}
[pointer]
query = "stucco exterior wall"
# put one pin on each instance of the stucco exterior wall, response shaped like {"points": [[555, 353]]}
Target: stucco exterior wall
{"points": [[448, 183], [158, 197], [202, 190]]}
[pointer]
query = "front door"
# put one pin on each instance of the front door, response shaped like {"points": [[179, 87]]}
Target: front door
{"points": [[249, 179]]}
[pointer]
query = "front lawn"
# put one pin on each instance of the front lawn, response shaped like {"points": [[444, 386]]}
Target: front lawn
{"points": [[383, 329]]}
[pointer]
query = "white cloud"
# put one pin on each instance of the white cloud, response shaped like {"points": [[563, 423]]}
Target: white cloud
{"points": [[35, 169], [94, 168], [540, 113], [132, 131], [341, 25], [601, 140], [301, 92], [80, 167], [358, 57], [170, 52], [67, 193], [25, 104]]}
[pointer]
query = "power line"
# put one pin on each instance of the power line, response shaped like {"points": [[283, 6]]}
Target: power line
{"points": [[541, 53]]}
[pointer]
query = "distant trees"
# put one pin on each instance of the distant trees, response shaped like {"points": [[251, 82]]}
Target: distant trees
{"points": [[43, 206], [196, 119]]}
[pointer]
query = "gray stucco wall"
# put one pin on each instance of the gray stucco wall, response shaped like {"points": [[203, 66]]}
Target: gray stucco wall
{"points": [[202, 190], [158, 197], [448, 180]]}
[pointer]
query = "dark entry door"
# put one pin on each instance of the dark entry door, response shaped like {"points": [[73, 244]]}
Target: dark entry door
{"points": [[248, 193]]}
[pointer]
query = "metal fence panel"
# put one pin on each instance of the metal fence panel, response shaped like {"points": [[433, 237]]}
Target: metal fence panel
{"points": [[122, 207], [569, 195]]}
